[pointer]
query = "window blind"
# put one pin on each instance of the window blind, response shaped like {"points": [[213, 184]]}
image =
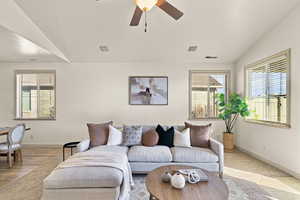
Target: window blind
{"points": [[267, 89]]}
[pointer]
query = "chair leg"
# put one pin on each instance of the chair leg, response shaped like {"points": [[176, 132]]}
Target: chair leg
{"points": [[9, 159], [15, 156], [20, 155]]}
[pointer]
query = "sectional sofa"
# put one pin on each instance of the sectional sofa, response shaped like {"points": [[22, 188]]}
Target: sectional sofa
{"points": [[105, 182], [143, 159]]}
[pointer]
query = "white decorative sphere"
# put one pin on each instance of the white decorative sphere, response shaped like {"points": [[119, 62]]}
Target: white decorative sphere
{"points": [[178, 181]]}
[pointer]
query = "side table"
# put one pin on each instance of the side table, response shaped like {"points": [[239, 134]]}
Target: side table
{"points": [[69, 145]]}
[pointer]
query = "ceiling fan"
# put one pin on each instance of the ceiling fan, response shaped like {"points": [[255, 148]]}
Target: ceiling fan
{"points": [[145, 5]]}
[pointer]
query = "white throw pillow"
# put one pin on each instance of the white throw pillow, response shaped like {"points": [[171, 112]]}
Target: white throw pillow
{"points": [[114, 137], [182, 139]]}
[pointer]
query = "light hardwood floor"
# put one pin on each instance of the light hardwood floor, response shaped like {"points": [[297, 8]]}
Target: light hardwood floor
{"points": [[24, 180]]}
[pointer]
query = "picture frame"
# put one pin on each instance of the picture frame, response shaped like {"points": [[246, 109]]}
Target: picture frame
{"points": [[148, 90]]}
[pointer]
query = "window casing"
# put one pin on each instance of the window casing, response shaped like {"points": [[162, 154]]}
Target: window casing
{"points": [[268, 90], [35, 95], [203, 88]]}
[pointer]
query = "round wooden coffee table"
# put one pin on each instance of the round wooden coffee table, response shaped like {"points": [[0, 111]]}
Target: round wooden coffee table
{"points": [[214, 189]]}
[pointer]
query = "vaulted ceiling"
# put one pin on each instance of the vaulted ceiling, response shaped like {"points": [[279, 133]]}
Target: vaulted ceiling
{"points": [[219, 28], [15, 48]]}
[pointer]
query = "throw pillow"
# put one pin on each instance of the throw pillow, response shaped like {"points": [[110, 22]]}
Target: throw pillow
{"points": [[114, 137], [132, 135], [166, 137], [150, 138], [182, 139], [98, 133], [200, 134]]}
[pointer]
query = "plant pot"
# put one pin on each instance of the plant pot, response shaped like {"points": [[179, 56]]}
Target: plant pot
{"points": [[228, 141]]}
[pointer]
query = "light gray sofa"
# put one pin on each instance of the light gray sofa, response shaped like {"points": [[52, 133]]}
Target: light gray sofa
{"points": [[144, 159], [94, 183]]}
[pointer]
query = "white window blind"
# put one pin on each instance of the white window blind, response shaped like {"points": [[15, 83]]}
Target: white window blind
{"points": [[204, 86], [268, 89], [35, 95]]}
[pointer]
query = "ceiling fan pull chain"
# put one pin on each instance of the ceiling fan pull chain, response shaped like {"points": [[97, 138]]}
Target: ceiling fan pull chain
{"points": [[146, 25]]}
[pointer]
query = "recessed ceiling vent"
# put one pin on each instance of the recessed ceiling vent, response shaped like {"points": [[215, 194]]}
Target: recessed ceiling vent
{"points": [[211, 57], [192, 48], [103, 48]]}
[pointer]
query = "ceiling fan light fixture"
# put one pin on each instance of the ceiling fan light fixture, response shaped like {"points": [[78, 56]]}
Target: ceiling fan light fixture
{"points": [[146, 5]]}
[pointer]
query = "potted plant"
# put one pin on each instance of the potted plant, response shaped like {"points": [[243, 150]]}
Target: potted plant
{"points": [[229, 111]]}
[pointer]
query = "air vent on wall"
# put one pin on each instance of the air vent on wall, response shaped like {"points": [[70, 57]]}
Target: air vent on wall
{"points": [[103, 48], [211, 57], [192, 48]]}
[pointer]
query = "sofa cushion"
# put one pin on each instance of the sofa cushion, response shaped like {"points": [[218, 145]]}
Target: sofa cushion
{"points": [[182, 138], [200, 134], [154, 154], [83, 177], [115, 136], [98, 133], [132, 135], [166, 137], [117, 149], [193, 155], [150, 138]]}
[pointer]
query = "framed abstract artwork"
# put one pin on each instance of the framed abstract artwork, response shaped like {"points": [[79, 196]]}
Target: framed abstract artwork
{"points": [[148, 90]]}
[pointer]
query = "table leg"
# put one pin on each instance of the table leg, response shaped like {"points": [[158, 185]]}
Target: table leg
{"points": [[63, 154]]}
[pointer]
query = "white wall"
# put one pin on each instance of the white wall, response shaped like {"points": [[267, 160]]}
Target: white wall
{"points": [[97, 92], [280, 146]]}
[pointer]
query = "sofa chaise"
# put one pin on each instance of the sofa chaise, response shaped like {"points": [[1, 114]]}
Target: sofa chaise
{"points": [[85, 176]]}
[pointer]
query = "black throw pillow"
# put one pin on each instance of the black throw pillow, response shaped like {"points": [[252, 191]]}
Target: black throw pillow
{"points": [[165, 137]]}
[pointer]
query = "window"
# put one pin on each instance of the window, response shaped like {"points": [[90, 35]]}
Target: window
{"points": [[35, 95], [204, 86], [267, 90]]}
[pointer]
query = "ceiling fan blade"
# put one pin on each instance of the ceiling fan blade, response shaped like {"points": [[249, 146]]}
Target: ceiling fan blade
{"points": [[169, 9], [136, 17]]}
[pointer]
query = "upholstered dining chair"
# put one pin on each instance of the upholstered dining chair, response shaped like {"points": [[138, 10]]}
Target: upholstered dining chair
{"points": [[13, 144]]}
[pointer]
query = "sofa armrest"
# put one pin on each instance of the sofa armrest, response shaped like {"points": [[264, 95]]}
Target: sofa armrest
{"points": [[218, 148], [83, 145]]}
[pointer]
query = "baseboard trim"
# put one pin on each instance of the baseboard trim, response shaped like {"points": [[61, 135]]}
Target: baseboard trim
{"points": [[43, 145], [288, 171]]}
